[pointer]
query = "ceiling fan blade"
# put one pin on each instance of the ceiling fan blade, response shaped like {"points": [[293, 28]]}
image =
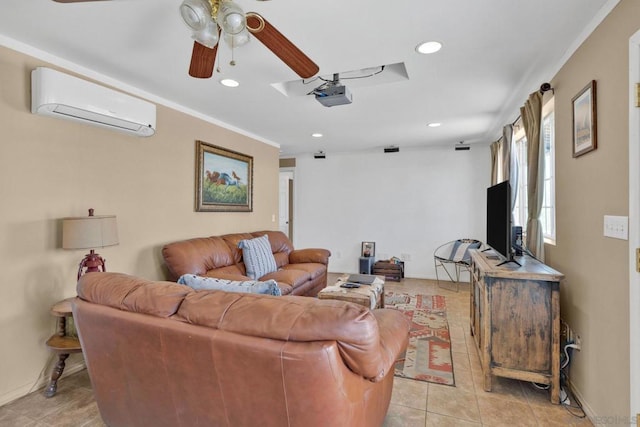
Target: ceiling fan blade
{"points": [[202, 61], [281, 46]]}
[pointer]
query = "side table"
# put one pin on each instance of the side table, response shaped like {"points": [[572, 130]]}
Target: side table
{"points": [[61, 343]]}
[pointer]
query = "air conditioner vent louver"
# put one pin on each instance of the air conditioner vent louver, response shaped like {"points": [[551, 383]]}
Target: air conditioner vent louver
{"points": [[60, 95]]}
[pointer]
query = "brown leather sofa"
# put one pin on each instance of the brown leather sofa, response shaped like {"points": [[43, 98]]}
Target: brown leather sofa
{"points": [[162, 354], [300, 272]]}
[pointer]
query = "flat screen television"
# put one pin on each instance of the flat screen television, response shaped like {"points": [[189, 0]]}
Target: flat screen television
{"points": [[499, 219]]}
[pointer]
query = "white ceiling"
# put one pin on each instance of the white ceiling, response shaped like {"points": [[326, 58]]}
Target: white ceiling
{"points": [[495, 52]]}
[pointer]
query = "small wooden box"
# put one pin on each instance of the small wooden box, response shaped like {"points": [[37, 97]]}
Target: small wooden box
{"points": [[390, 270]]}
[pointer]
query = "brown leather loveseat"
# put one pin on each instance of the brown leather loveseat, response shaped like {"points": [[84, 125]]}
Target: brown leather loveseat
{"points": [[162, 354], [300, 272]]}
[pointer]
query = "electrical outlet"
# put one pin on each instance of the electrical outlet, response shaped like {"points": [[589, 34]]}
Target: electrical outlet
{"points": [[578, 342], [405, 257]]}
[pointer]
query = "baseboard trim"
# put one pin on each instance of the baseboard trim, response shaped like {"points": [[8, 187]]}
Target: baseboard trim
{"points": [[583, 402], [42, 381]]}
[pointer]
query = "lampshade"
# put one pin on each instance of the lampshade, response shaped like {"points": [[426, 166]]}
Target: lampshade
{"points": [[237, 40], [231, 18], [196, 13], [89, 232], [208, 36]]}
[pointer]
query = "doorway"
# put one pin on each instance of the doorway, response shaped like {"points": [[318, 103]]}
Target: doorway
{"points": [[285, 203]]}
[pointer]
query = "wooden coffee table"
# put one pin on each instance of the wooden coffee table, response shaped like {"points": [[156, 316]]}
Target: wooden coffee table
{"points": [[371, 296]]}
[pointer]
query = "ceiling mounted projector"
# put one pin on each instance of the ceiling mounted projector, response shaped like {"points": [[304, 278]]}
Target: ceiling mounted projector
{"points": [[332, 93]]}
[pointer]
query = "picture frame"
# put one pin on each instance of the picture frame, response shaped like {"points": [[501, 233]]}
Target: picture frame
{"points": [[224, 180], [368, 250], [585, 135]]}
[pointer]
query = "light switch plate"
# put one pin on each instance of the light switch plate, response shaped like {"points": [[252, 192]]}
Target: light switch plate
{"points": [[616, 227]]}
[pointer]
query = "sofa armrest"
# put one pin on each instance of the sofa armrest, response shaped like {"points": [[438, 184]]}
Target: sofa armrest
{"points": [[299, 256], [394, 337]]}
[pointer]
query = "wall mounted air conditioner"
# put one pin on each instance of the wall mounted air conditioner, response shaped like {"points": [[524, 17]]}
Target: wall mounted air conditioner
{"points": [[60, 95]]}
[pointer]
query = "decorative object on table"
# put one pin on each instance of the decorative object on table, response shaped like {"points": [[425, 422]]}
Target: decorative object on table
{"points": [[391, 270], [224, 180], [62, 343], [585, 130], [368, 249], [428, 355], [455, 254], [89, 232]]}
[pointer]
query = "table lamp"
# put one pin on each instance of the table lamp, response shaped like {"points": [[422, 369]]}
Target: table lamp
{"points": [[90, 232]]}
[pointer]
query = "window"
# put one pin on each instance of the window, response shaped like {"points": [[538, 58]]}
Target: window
{"points": [[548, 211]]}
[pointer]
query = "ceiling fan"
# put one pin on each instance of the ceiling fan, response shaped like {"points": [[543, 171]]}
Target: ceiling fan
{"points": [[209, 19]]}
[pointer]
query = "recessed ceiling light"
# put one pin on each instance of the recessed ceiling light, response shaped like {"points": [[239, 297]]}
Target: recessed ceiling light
{"points": [[229, 83], [428, 47], [316, 135], [434, 125]]}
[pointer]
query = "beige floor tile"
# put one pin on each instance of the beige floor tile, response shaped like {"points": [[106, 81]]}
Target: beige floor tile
{"points": [[438, 420], [505, 388], [410, 393], [10, 418], [497, 411], [558, 415], [461, 361], [453, 402], [402, 416], [464, 380]]}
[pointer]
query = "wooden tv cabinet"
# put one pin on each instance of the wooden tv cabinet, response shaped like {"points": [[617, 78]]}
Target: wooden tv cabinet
{"points": [[515, 319]]}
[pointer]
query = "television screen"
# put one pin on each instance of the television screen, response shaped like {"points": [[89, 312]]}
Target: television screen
{"points": [[499, 218]]}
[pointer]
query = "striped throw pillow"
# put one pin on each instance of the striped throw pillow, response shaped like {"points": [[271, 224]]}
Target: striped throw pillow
{"points": [[257, 256]]}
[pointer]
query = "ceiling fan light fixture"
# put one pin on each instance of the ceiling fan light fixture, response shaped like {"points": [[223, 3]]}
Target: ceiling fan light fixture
{"points": [[231, 18], [196, 13], [208, 36], [235, 40]]}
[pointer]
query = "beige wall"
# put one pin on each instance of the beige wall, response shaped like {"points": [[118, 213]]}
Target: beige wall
{"points": [[594, 296], [51, 168]]}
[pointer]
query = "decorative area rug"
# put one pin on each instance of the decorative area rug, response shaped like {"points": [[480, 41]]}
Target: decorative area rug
{"points": [[428, 355]]}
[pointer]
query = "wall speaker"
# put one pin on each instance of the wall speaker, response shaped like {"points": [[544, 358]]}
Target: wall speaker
{"points": [[366, 265]]}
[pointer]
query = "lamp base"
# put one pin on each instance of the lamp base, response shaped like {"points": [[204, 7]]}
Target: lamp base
{"points": [[92, 262]]}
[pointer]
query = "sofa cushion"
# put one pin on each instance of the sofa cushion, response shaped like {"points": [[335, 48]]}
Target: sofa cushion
{"points": [[196, 256], [291, 277], [257, 256], [312, 268], [270, 287]]}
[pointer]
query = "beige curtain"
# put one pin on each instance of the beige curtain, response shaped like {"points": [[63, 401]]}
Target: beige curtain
{"points": [[505, 153], [502, 163], [531, 115], [495, 161], [512, 172]]}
